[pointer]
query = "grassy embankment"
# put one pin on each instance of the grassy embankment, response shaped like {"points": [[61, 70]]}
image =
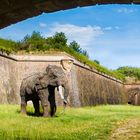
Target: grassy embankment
{"points": [[9, 46], [89, 123]]}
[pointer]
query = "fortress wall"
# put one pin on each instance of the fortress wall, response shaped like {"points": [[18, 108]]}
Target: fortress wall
{"points": [[88, 87], [133, 93], [8, 80], [95, 88], [14, 68]]}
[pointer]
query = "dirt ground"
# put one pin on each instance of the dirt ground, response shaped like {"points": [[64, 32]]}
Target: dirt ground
{"points": [[127, 130]]}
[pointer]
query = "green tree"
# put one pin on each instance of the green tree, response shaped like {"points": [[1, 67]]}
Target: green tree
{"points": [[97, 62], [130, 71], [60, 38], [75, 46], [33, 42], [58, 41], [85, 53]]}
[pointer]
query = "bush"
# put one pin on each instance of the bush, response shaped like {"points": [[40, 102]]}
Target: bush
{"points": [[129, 71]]}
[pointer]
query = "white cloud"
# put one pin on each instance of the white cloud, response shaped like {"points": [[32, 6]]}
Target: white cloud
{"points": [[108, 28], [42, 25], [117, 27], [126, 10], [84, 35]]}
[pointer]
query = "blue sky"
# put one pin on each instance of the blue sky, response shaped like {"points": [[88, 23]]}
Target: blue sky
{"points": [[110, 33]]}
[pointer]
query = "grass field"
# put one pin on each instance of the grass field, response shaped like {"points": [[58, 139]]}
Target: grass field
{"points": [[90, 123]]}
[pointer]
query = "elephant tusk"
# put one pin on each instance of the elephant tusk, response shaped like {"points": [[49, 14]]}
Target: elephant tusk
{"points": [[60, 91], [65, 102]]}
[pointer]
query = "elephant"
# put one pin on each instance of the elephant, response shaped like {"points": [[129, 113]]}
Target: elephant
{"points": [[41, 86]]}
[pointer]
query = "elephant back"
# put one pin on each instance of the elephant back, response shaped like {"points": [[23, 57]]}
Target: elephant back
{"points": [[28, 83], [54, 71]]}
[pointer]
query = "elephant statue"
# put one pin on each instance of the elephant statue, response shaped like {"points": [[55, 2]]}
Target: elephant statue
{"points": [[41, 86]]}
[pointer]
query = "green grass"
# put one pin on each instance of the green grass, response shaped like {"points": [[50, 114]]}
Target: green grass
{"points": [[89, 123]]}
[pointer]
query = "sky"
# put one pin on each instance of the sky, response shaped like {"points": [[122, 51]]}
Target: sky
{"points": [[110, 33]]}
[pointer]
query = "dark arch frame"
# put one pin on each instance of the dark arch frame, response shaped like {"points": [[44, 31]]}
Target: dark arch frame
{"points": [[13, 11]]}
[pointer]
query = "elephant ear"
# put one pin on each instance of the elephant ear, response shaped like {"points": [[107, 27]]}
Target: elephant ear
{"points": [[40, 84], [38, 87]]}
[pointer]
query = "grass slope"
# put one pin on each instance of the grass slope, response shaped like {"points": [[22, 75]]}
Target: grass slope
{"points": [[89, 123], [35, 46]]}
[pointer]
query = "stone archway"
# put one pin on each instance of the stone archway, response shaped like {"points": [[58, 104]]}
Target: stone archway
{"points": [[134, 96], [13, 11]]}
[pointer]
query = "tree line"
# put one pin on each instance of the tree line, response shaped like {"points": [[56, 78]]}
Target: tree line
{"points": [[57, 42], [129, 71]]}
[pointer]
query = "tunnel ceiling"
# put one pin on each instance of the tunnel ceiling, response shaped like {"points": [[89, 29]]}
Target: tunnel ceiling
{"points": [[13, 11]]}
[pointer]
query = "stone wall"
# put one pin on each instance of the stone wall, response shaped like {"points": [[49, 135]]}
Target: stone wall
{"points": [[95, 88], [8, 81], [88, 86], [16, 67], [133, 92]]}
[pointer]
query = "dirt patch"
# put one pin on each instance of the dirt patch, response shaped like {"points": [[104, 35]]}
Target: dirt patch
{"points": [[127, 130]]}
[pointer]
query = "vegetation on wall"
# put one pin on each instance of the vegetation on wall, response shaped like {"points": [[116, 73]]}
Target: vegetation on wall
{"points": [[7, 46], [130, 72], [36, 44]]}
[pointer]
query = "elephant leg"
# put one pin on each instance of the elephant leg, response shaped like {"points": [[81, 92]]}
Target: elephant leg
{"points": [[23, 105], [36, 107], [43, 95], [52, 100]]}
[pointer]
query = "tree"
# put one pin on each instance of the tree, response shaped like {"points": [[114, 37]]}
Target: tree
{"points": [[85, 53], [129, 71], [75, 46], [33, 42], [36, 35], [97, 62], [60, 38]]}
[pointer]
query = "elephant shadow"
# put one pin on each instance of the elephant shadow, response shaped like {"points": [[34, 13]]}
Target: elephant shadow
{"points": [[30, 113]]}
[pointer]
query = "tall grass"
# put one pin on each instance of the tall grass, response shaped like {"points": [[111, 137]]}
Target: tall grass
{"points": [[89, 123]]}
